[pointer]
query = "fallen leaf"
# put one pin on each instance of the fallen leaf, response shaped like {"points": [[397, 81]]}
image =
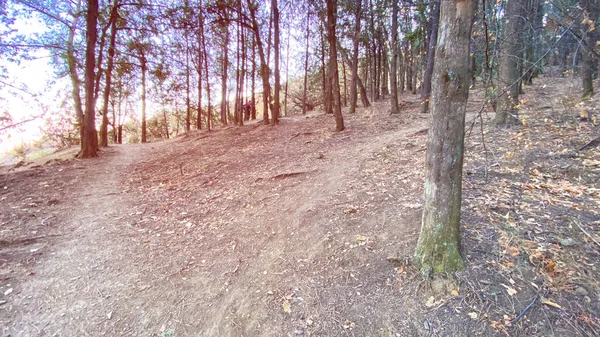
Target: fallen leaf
{"points": [[8, 291], [550, 303], [454, 292], [430, 302], [287, 308], [473, 315], [510, 290]]}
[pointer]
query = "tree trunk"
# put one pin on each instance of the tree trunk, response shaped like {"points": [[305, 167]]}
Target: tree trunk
{"points": [[363, 91], [109, 68], [327, 99], [354, 66], [225, 64], [393, 70], [508, 72], [333, 68], [287, 72], [415, 68], [205, 57], [188, 108], [264, 67], [438, 247], [306, 65], [253, 77], [89, 142], [590, 14], [144, 66], [72, 64], [345, 86], [275, 113], [435, 21], [166, 123]]}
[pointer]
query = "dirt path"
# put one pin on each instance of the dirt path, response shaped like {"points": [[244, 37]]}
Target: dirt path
{"points": [[285, 231], [77, 274]]}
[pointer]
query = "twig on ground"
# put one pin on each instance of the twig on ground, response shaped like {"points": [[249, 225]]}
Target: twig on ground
{"points": [[516, 320], [586, 233]]}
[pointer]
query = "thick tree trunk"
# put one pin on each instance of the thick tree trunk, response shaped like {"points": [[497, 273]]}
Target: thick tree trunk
{"points": [[89, 142], [354, 66], [435, 21], [438, 247], [333, 68], [508, 72], [588, 30], [276, 112], [394, 60]]}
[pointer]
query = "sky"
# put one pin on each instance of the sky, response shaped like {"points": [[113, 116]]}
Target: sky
{"points": [[35, 76]]}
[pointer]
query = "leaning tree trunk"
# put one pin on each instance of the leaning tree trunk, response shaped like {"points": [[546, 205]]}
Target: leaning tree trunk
{"points": [[89, 142], [438, 247], [393, 70], [508, 72], [435, 21], [333, 67]]}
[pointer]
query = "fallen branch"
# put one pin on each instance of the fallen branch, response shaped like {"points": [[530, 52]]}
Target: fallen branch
{"points": [[593, 143], [586, 233], [285, 175], [516, 320]]}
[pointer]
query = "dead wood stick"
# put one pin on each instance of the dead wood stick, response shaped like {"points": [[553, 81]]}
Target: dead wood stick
{"points": [[586, 233], [594, 142], [514, 321]]}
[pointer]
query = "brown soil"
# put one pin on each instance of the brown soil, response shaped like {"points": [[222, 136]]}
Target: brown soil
{"points": [[287, 231]]}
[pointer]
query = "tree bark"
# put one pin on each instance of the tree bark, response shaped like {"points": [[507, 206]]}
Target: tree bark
{"points": [[225, 64], [72, 64], [89, 142], [109, 68], [144, 70], [205, 56], [275, 112], [306, 65], [590, 14], [438, 247], [508, 72], [354, 66], [435, 21], [264, 67], [393, 70], [333, 67]]}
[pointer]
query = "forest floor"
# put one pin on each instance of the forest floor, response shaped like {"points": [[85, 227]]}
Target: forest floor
{"points": [[297, 230]]}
